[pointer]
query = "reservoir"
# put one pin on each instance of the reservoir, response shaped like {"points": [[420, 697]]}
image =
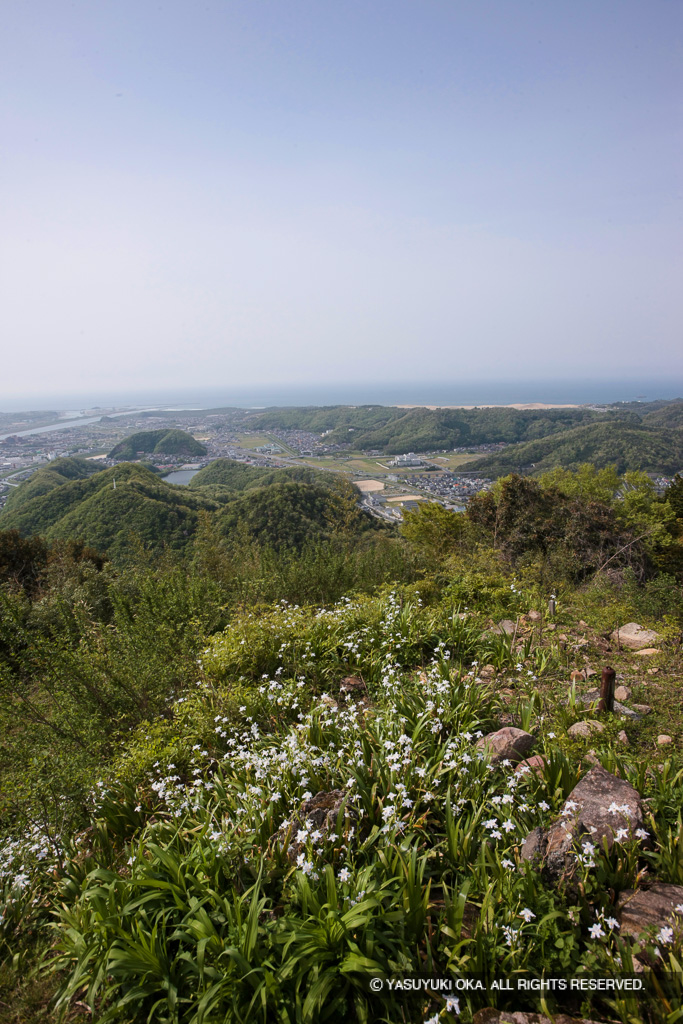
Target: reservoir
{"points": [[181, 476]]}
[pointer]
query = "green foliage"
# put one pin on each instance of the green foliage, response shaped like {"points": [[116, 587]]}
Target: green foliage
{"points": [[45, 479], [157, 442], [624, 446], [396, 430]]}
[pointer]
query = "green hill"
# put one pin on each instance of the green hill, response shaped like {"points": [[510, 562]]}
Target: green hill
{"points": [[670, 415], [238, 476], [105, 508], [395, 431], [44, 480], [280, 508], [157, 442], [625, 446]]}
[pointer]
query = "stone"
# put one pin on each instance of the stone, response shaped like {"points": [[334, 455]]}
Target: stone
{"points": [[634, 636], [534, 616], [652, 671], [507, 744], [504, 626], [578, 676], [642, 709], [490, 1016], [623, 738], [585, 729], [533, 847], [648, 652], [487, 672], [593, 696], [320, 812], [641, 909], [590, 672], [598, 806], [663, 740], [582, 624], [622, 692], [352, 686], [535, 764]]}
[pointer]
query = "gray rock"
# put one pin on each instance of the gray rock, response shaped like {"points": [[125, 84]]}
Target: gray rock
{"points": [[642, 709], [635, 637], [507, 744], [504, 626], [640, 909], [622, 693], [585, 729], [663, 740], [533, 847], [534, 616], [592, 696], [320, 812], [598, 806]]}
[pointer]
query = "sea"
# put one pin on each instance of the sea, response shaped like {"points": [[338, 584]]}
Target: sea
{"points": [[556, 391]]}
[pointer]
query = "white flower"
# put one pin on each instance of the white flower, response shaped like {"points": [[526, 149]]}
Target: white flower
{"points": [[612, 922], [665, 935], [508, 863], [452, 1005], [527, 914], [596, 931], [641, 833], [344, 875], [544, 806]]}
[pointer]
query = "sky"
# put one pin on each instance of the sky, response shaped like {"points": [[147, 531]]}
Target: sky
{"points": [[217, 194]]}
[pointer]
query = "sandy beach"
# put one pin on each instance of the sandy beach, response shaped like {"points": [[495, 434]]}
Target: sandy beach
{"points": [[513, 405]]}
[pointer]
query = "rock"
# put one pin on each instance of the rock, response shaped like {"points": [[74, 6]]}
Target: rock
{"points": [[535, 764], [592, 757], [652, 671], [533, 847], [640, 909], [590, 672], [534, 616], [506, 744], [648, 652], [487, 672], [642, 709], [582, 624], [598, 806], [504, 626], [622, 692], [663, 740], [593, 696], [550, 627], [320, 812], [577, 676], [352, 686], [634, 636], [491, 1016], [585, 729], [623, 738]]}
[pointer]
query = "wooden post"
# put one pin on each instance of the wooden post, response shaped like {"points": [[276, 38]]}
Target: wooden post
{"points": [[607, 690]]}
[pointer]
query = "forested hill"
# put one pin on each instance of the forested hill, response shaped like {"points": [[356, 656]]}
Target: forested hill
{"points": [[56, 473], [157, 442], [625, 446], [114, 509], [238, 476], [395, 431]]}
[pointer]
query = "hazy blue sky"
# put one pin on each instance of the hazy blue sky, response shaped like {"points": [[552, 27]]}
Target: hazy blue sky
{"points": [[216, 193]]}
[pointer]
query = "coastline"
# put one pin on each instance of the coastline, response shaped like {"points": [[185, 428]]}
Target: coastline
{"points": [[520, 406]]}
